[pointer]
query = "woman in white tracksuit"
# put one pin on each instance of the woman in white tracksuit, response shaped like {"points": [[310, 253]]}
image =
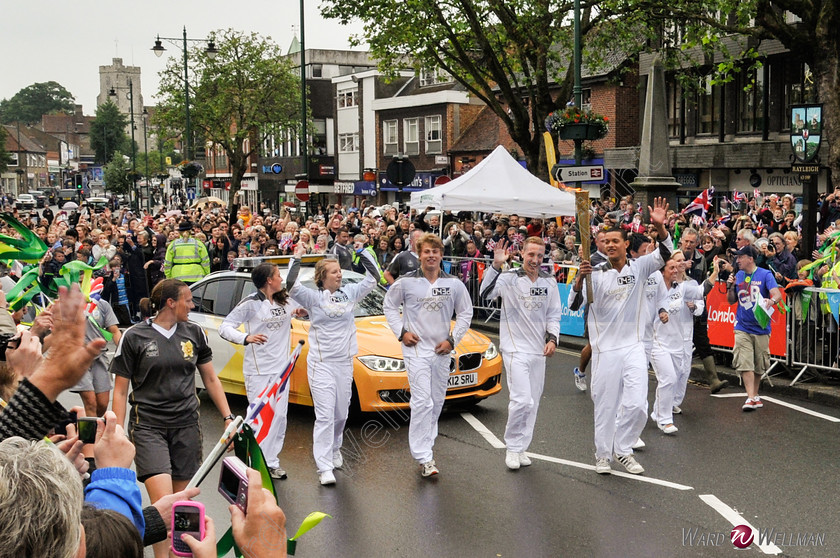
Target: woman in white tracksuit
{"points": [[332, 346], [267, 316], [678, 302]]}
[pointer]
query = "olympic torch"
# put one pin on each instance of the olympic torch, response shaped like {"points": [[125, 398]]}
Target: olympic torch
{"points": [[582, 218]]}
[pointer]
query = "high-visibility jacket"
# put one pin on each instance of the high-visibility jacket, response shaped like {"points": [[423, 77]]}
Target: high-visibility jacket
{"points": [[186, 259], [357, 264]]}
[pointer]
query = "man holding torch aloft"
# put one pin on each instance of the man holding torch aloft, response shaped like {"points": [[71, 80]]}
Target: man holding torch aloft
{"points": [[619, 363]]}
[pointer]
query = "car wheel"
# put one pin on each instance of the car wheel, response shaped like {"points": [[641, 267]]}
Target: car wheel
{"points": [[355, 405]]}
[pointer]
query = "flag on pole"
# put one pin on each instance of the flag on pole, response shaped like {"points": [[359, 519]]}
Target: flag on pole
{"points": [[701, 203], [261, 412]]}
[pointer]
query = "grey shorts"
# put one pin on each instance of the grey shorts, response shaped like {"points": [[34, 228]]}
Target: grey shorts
{"points": [[171, 451], [751, 353], [97, 380]]}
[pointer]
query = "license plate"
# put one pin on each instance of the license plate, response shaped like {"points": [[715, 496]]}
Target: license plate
{"points": [[461, 380]]}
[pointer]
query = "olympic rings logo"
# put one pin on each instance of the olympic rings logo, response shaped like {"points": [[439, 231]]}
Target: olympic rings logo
{"points": [[273, 326], [532, 305], [334, 311], [433, 305]]}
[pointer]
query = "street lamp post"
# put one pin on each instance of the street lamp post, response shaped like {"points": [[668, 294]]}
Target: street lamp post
{"points": [[211, 51], [146, 157], [113, 93]]}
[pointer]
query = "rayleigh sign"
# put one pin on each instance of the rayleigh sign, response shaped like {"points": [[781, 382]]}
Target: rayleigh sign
{"points": [[805, 132], [422, 181]]}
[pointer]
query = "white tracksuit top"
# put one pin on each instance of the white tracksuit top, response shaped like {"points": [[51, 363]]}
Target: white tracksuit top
{"points": [[260, 316], [530, 309], [332, 334], [427, 310], [649, 307], [615, 317], [680, 327]]}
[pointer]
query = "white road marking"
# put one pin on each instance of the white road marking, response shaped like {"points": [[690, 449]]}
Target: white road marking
{"points": [[498, 444], [784, 404], [736, 519], [483, 430], [565, 352]]}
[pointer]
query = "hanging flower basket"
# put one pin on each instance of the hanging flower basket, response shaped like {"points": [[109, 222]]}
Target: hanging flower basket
{"points": [[190, 169], [575, 124]]}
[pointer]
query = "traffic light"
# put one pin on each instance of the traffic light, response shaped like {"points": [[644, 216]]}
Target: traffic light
{"points": [[77, 180]]}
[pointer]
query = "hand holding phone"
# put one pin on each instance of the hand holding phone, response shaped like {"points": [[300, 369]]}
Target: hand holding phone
{"points": [[87, 429], [187, 519], [233, 482]]}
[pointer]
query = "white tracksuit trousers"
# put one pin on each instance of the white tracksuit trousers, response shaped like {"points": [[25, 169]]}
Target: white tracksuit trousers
{"points": [[619, 392], [272, 444], [427, 378], [666, 365], [683, 373], [525, 379], [331, 385]]}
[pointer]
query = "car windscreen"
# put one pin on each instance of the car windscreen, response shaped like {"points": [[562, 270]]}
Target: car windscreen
{"points": [[371, 305]]}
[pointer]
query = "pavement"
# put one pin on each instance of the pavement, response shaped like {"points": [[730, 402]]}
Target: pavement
{"points": [[825, 392]]}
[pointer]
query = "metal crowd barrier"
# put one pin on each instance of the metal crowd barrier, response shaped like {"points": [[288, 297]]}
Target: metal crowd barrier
{"points": [[814, 336]]}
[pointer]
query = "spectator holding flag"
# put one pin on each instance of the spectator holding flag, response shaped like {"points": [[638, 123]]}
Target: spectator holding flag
{"points": [[267, 317], [159, 357], [756, 292]]}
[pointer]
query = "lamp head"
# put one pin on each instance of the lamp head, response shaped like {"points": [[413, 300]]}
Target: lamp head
{"points": [[211, 50], [158, 49]]}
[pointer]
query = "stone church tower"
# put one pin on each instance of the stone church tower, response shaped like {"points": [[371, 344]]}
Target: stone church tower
{"points": [[119, 77]]}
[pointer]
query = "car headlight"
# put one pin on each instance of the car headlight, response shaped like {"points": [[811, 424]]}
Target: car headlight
{"points": [[383, 364], [491, 352]]}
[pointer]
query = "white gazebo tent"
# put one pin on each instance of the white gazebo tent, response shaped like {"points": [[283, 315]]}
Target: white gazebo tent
{"points": [[498, 184]]}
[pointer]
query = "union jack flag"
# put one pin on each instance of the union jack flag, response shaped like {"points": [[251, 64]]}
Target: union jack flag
{"points": [[701, 203], [261, 412], [738, 197]]}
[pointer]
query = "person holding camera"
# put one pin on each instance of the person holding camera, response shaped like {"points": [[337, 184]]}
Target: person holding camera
{"points": [[751, 286]]}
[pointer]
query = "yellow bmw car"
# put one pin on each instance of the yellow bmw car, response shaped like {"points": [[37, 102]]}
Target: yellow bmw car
{"points": [[379, 377]]}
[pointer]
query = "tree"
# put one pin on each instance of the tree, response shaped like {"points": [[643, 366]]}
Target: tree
{"points": [[32, 102], [814, 39], [117, 174], [107, 132], [5, 157], [237, 98], [513, 55]]}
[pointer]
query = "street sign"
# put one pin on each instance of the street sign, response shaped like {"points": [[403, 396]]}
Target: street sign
{"points": [[400, 172], [302, 190], [594, 173]]}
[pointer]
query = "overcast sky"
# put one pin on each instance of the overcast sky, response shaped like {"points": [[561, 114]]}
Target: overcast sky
{"points": [[67, 41]]}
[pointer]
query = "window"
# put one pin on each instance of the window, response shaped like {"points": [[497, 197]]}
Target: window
{"points": [[708, 107], [319, 136], [675, 101], [411, 136], [433, 77], [316, 70], [799, 88], [390, 141], [434, 137], [348, 143], [751, 101], [347, 98], [217, 298]]}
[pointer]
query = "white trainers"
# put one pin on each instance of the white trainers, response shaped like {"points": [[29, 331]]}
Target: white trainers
{"points": [[512, 460], [277, 473], [580, 379], [676, 410], [667, 428], [338, 460], [326, 478], [524, 460], [602, 466], [429, 469], [630, 464], [639, 444], [757, 404]]}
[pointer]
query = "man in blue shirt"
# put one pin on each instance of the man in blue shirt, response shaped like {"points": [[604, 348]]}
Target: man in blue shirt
{"points": [[751, 287]]}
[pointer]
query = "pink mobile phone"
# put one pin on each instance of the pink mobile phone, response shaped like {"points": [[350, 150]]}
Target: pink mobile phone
{"points": [[187, 517]]}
